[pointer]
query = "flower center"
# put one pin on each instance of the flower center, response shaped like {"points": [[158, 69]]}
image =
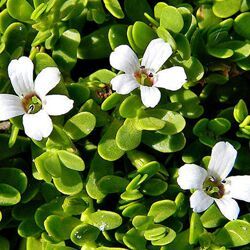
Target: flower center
{"points": [[31, 103], [213, 187], [144, 77]]}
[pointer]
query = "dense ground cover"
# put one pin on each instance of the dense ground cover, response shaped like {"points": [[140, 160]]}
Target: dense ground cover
{"points": [[111, 111]]}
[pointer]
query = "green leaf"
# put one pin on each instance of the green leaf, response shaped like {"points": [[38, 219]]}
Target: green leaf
{"points": [[175, 123], [180, 242], [98, 169], [111, 102], [74, 205], [134, 239], [131, 195], [9, 196], [48, 165], [128, 137], [164, 143], [80, 125], [69, 182], [240, 111], [29, 228], [84, 233], [226, 8], [155, 232], [117, 35], [4, 243], [43, 60], [110, 184], [148, 34], [147, 121], [114, 7], [79, 93], [130, 106], [193, 68], [240, 25], [167, 239], [141, 222], [171, 19], [14, 177], [196, 229], [60, 227], [183, 46], [166, 36], [95, 45], [206, 17], [102, 118], [71, 160], [105, 220], [65, 50], [5, 20], [161, 210], [154, 187], [23, 12], [107, 146], [134, 209], [212, 217], [219, 126], [234, 234], [47, 209], [15, 37], [190, 103], [159, 7]]}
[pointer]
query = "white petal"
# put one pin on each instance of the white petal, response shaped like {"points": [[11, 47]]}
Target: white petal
{"points": [[46, 80], [38, 125], [57, 104], [156, 54], [228, 207], [124, 84], [191, 176], [171, 79], [150, 96], [21, 75], [10, 106], [124, 58], [238, 187], [222, 160], [200, 201]]}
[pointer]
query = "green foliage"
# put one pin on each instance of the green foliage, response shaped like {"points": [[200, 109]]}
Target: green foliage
{"points": [[105, 178]]}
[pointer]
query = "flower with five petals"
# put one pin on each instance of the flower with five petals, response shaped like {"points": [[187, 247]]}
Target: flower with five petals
{"points": [[214, 185], [32, 100], [146, 75]]}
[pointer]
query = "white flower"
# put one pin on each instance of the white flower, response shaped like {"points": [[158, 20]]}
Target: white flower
{"points": [[32, 101], [146, 75], [212, 185]]}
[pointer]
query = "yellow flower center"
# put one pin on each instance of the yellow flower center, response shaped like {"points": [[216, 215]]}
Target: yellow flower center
{"points": [[31, 103], [144, 77]]}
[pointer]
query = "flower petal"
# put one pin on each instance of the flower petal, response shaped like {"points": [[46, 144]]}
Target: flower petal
{"points": [[200, 201], [222, 160], [10, 106], [191, 176], [124, 84], [38, 125], [124, 58], [228, 207], [21, 75], [46, 80], [57, 104], [238, 187], [150, 96], [156, 54], [171, 79]]}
